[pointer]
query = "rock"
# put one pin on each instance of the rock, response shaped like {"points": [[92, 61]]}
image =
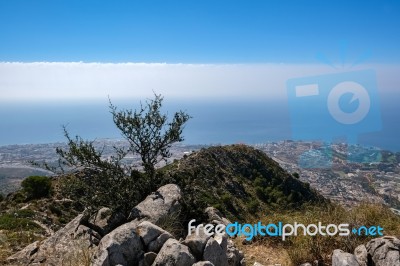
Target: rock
{"points": [[214, 253], [174, 253], [122, 246], [149, 232], [361, 255], [159, 205], [104, 221], [24, 255], [148, 259], [341, 258], [222, 241], [384, 251], [306, 264], [215, 216], [257, 264], [197, 243], [60, 247], [234, 256], [157, 244], [203, 263]]}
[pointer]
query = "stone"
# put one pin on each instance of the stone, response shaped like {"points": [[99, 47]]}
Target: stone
{"points": [[157, 243], [104, 221], [149, 232], [174, 253], [25, 254], [341, 258], [148, 259], [121, 246], [384, 251], [203, 263], [361, 255], [56, 249], [234, 256], [197, 243], [306, 264], [163, 203], [214, 253]]}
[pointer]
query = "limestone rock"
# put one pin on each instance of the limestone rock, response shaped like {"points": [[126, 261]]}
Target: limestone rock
{"points": [[384, 251], [214, 253], [174, 253], [122, 246], [197, 242], [361, 255], [157, 243], [159, 205], [341, 258]]}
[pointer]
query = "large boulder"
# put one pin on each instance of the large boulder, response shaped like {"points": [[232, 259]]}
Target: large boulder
{"points": [[160, 205], [341, 258], [197, 242], [384, 251], [122, 246], [214, 253], [150, 232], [174, 253], [361, 254], [60, 247], [105, 220]]}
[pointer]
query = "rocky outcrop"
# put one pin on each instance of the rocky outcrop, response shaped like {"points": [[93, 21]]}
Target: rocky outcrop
{"points": [[59, 246], [141, 241], [341, 258], [163, 203], [383, 251]]}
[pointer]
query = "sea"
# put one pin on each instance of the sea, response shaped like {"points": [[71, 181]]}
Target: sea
{"points": [[214, 121]]}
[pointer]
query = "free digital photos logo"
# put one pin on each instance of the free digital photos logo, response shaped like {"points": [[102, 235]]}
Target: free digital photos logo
{"points": [[332, 106]]}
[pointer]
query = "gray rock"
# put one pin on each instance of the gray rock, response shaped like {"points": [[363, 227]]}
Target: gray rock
{"points": [[122, 246], [64, 244], [213, 214], [234, 256], [148, 259], [222, 241], [174, 253], [149, 232], [306, 264], [197, 243], [214, 253], [361, 255], [384, 251], [159, 205], [203, 263], [24, 255], [341, 258], [157, 244], [104, 221]]}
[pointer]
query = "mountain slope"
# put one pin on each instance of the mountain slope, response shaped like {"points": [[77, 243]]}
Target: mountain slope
{"points": [[238, 180]]}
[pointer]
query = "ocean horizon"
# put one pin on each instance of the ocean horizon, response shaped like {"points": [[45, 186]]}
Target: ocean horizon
{"points": [[213, 122]]}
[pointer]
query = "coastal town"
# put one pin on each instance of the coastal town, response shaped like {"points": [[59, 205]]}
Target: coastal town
{"points": [[342, 173]]}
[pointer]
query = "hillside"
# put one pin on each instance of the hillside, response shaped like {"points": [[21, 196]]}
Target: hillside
{"points": [[239, 180]]}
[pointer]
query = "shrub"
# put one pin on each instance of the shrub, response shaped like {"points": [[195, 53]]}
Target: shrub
{"points": [[37, 186]]}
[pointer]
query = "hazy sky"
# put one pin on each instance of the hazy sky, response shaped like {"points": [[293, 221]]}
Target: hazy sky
{"points": [[80, 50]]}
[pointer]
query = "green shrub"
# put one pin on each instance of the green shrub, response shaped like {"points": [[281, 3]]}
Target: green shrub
{"points": [[37, 186], [252, 206]]}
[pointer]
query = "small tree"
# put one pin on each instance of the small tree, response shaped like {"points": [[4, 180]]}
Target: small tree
{"points": [[109, 182], [148, 131], [36, 186]]}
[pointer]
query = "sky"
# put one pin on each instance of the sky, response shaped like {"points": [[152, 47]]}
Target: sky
{"points": [[79, 51]]}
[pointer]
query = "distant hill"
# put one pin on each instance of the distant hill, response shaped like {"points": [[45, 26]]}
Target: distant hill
{"points": [[239, 180]]}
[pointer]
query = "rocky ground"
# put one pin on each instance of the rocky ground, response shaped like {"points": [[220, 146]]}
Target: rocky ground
{"points": [[105, 239]]}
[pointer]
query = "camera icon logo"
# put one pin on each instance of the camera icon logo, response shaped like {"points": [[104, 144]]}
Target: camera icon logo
{"points": [[328, 107]]}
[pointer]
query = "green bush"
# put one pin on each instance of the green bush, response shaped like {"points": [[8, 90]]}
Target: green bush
{"points": [[37, 186]]}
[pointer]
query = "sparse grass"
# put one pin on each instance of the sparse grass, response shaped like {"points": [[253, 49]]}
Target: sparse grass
{"points": [[301, 249]]}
